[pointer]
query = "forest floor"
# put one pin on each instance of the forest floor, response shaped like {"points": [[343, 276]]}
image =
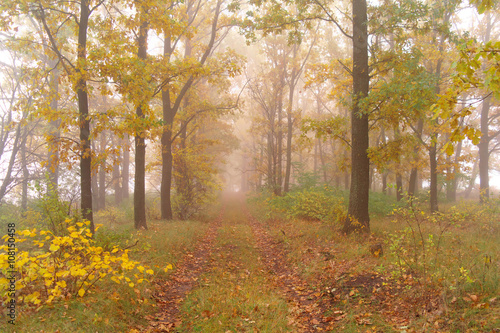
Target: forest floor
{"points": [[239, 272], [277, 276]]}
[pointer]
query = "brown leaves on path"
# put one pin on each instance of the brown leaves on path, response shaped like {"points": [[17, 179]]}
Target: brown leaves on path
{"points": [[170, 293], [308, 306]]}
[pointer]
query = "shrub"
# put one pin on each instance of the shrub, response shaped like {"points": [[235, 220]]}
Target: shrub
{"points": [[313, 204], [451, 248], [55, 267]]}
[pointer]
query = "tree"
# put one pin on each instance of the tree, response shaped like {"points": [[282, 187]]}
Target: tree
{"points": [[358, 218]]}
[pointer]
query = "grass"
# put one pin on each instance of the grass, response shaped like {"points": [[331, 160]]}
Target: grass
{"points": [[456, 293], [236, 294]]}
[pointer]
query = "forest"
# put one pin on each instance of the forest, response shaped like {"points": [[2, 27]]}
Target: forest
{"points": [[249, 166]]}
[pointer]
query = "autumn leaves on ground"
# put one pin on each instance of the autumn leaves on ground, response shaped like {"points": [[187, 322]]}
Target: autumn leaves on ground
{"points": [[244, 269]]}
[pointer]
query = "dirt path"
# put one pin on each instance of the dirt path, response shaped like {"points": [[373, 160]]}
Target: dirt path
{"points": [[307, 304], [170, 293], [237, 279]]}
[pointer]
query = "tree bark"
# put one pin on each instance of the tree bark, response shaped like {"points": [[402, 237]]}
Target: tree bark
{"points": [[484, 156], [140, 144], [126, 167], [101, 204], [83, 107], [412, 184], [433, 171], [484, 181], [24, 166], [54, 133], [116, 176], [358, 219]]}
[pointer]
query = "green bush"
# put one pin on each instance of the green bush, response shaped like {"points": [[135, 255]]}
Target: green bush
{"points": [[312, 204]]}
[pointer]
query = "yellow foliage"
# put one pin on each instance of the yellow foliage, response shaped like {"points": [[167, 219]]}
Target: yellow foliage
{"points": [[68, 265]]}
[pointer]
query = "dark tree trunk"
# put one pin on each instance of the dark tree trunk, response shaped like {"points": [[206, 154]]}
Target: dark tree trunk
{"points": [[358, 219], [140, 145], [84, 119]]}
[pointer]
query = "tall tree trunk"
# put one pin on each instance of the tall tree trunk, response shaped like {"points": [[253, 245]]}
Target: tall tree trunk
{"points": [[116, 176], [54, 133], [170, 110], [95, 184], [434, 174], [484, 181], [456, 168], [472, 181], [358, 218], [484, 156], [24, 166], [140, 144], [101, 203], [126, 167], [289, 133], [279, 167], [84, 119], [412, 184]]}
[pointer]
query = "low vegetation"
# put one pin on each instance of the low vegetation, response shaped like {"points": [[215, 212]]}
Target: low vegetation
{"points": [[428, 272]]}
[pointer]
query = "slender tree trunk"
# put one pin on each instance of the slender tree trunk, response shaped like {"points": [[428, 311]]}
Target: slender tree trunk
{"points": [[54, 133], [456, 168], [116, 176], [399, 186], [101, 204], [484, 156], [26, 175], [170, 110], [472, 181], [95, 184], [412, 184], [279, 167], [289, 133], [484, 180], [433, 171], [7, 177], [140, 144], [126, 167], [358, 218]]}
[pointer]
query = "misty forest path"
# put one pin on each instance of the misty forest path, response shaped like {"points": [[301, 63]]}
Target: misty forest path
{"points": [[237, 279]]}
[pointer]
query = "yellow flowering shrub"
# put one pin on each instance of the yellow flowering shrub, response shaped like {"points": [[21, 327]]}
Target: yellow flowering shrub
{"points": [[57, 267]]}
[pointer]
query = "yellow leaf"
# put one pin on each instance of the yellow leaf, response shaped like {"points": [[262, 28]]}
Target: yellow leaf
{"points": [[54, 248], [150, 271], [81, 292]]}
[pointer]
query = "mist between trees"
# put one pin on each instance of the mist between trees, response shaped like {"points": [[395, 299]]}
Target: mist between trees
{"points": [[106, 100]]}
